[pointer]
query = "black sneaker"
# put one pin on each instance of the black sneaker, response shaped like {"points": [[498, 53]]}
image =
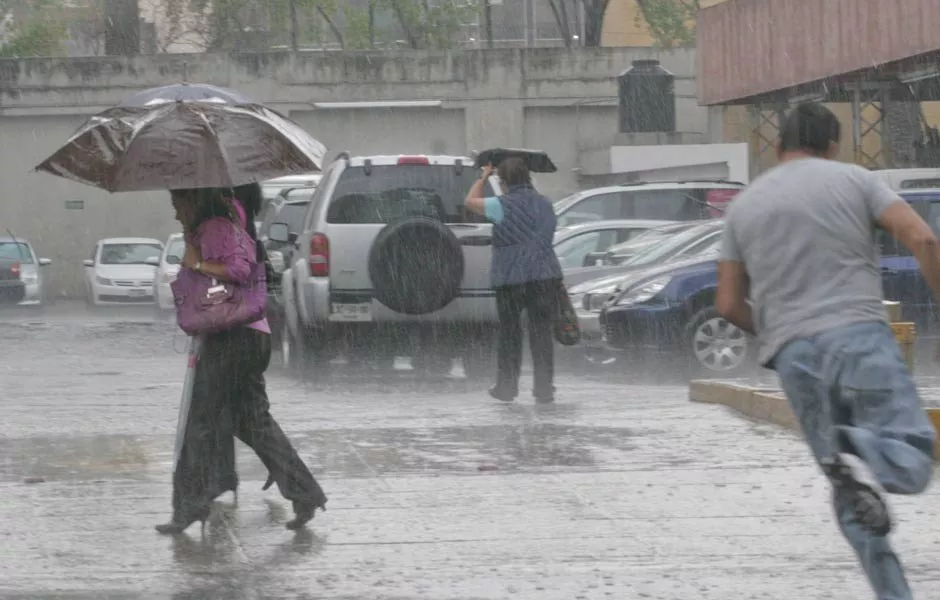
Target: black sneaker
{"points": [[854, 480]]}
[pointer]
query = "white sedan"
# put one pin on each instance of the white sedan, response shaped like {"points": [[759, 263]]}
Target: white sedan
{"points": [[121, 271]]}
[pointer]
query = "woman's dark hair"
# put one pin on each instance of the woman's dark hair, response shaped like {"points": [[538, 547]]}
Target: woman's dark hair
{"points": [[810, 127], [513, 171], [251, 197], [211, 202]]}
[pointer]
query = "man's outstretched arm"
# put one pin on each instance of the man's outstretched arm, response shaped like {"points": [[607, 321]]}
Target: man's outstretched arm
{"points": [[733, 290]]}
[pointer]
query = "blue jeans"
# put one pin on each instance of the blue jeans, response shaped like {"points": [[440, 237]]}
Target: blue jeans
{"points": [[851, 392]]}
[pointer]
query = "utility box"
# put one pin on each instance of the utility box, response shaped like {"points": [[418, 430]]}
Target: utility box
{"points": [[647, 98]]}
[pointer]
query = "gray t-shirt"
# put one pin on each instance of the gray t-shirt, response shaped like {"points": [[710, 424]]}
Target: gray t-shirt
{"points": [[805, 234]]}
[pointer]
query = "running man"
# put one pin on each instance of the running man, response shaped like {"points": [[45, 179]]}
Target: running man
{"points": [[800, 269]]}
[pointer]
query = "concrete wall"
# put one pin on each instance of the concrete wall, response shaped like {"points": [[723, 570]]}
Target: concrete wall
{"points": [[562, 101]]}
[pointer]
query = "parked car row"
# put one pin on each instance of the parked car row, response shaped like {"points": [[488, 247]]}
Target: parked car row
{"points": [[20, 272], [665, 301]]}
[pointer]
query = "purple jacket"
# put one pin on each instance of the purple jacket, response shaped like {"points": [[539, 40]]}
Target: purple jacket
{"points": [[221, 241]]}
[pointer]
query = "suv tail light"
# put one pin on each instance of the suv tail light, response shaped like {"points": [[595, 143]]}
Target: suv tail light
{"points": [[15, 270], [319, 255], [413, 160]]}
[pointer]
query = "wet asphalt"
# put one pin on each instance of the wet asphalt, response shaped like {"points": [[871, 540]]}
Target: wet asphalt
{"points": [[621, 490]]}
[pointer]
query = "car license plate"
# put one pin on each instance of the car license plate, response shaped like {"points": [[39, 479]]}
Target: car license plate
{"points": [[351, 312], [136, 293]]}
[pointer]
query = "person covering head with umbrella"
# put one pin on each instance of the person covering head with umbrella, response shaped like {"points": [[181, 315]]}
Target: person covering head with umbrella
{"points": [[525, 273], [201, 141]]}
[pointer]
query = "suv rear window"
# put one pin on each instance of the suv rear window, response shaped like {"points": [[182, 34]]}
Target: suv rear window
{"points": [[393, 192]]}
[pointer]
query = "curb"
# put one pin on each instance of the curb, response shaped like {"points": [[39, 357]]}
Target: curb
{"points": [[766, 404]]}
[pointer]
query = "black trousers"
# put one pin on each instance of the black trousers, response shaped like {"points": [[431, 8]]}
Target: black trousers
{"points": [[229, 399], [539, 299]]}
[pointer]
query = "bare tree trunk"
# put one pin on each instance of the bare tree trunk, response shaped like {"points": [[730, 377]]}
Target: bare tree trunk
{"points": [[294, 45], [372, 23], [329, 21], [409, 34], [594, 11], [561, 18], [488, 23]]}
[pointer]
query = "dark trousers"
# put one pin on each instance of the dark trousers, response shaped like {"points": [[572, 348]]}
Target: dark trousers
{"points": [[229, 399], [539, 299]]}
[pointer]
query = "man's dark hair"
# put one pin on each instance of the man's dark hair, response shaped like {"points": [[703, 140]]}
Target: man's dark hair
{"points": [[513, 171], [810, 127]]}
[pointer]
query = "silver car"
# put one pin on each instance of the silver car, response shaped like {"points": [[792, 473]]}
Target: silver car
{"points": [[389, 263], [30, 267]]}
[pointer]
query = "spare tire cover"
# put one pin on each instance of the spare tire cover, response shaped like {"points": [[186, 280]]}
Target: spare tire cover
{"points": [[416, 266]]}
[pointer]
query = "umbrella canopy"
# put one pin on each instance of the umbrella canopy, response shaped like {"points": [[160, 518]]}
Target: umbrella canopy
{"points": [[537, 161], [186, 92], [160, 139]]}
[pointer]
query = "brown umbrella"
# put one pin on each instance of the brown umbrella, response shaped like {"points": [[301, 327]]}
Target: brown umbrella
{"points": [[185, 136]]}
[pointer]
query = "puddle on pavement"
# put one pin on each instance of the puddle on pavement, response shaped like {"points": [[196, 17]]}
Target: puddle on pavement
{"points": [[348, 453]]}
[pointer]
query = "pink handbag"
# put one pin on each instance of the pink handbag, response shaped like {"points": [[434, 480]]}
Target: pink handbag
{"points": [[206, 305]]}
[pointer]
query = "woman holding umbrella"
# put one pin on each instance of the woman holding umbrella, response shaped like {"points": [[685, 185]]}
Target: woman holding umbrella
{"points": [[229, 390], [198, 140]]}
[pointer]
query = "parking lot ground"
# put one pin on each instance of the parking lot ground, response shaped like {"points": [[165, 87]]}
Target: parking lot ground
{"points": [[436, 492]]}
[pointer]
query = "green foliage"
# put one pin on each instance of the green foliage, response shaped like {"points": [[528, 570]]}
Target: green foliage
{"points": [[351, 24], [671, 22], [33, 28]]}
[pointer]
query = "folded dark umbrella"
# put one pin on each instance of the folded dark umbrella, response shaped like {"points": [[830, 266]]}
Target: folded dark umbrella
{"points": [[538, 161], [171, 141]]}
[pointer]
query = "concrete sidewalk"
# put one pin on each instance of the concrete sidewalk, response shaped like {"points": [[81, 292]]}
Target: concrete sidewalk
{"points": [[436, 492]]}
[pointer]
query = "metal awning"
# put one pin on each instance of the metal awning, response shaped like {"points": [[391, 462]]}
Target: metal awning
{"points": [[753, 51]]}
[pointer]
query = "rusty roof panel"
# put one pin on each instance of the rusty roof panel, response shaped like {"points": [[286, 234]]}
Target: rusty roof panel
{"points": [[752, 47]]}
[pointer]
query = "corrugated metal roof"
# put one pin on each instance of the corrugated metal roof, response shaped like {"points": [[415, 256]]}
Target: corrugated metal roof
{"points": [[752, 47]]}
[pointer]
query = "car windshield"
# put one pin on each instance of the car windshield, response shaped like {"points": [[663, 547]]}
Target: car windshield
{"points": [[16, 251], [175, 250], [668, 247], [129, 254], [392, 192]]}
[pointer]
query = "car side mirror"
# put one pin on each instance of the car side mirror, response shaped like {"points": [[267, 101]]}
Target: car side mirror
{"points": [[44, 262], [88, 262], [280, 233], [153, 261], [172, 260]]}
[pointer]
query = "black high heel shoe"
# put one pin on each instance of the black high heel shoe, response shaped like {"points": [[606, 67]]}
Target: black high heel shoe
{"points": [[303, 513], [178, 526]]}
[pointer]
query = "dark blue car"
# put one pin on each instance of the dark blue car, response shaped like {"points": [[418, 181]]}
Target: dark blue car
{"points": [[672, 307]]}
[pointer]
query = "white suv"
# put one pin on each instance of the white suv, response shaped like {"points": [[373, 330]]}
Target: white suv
{"points": [[390, 263]]}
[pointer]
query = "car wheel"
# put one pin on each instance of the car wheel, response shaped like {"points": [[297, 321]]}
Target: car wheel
{"points": [[716, 348]]}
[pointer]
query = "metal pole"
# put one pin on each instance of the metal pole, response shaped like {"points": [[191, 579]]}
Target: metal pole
{"points": [[857, 122], [583, 24]]}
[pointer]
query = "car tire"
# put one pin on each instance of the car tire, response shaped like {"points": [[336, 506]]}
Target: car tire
{"points": [[416, 266], [716, 348]]}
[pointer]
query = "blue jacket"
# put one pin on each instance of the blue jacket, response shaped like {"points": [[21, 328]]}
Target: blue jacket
{"points": [[523, 232]]}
